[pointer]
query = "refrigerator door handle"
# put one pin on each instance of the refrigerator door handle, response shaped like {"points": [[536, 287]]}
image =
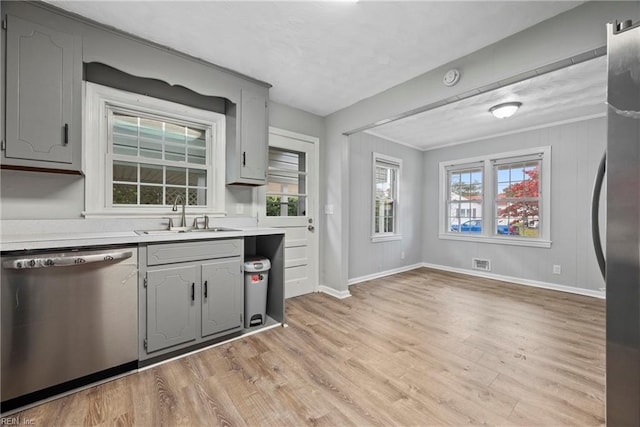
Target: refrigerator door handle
{"points": [[595, 215]]}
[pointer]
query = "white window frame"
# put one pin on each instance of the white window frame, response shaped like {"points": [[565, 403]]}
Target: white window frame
{"points": [[488, 201], [98, 156], [396, 235]]}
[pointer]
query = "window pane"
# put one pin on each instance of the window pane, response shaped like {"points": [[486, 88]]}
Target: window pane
{"points": [[197, 178], [124, 124], [151, 174], [173, 192], [197, 197], [125, 171], [286, 206], [197, 155], [174, 133], [517, 199], [150, 195], [464, 210], [176, 176], [151, 149], [151, 129], [125, 194]]}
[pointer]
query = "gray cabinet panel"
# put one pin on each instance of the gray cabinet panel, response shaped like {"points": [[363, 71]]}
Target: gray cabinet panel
{"points": [[165, 253], [222, 292], [253, 136], [247, 142], [43, 78], [171, 306]]}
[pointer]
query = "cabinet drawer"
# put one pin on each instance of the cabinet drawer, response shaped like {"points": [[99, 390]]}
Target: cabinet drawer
{"points": [[166, 253]]}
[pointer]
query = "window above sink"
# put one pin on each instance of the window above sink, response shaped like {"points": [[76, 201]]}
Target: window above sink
{"points": [[143, 152]]}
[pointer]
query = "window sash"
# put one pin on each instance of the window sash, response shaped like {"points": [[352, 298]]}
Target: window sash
{"points": [[385, 195], [141, 193]]}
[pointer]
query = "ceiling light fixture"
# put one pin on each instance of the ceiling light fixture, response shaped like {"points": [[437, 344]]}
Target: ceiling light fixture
{"points": [[502, 111]]}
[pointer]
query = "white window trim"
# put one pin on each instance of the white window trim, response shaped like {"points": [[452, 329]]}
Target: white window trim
{"points": [[96, 154], [488, 183], [397, 234]]}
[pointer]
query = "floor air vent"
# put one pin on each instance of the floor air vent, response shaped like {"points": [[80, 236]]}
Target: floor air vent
{"points": [[481, 264]]}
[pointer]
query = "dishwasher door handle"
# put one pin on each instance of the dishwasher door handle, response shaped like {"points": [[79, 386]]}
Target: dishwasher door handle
{"points": [[65, 261]]}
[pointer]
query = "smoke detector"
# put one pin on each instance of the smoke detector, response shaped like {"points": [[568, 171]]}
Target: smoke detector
{"points": [[451, 77]]}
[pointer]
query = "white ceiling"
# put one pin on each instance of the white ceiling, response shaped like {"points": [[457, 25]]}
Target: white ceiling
{"points": [[323, 56], [567, 94]]}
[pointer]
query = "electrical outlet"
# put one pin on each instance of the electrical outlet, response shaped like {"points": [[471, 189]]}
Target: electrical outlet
{"points": [[402, 255], [557, 269], [328, 209]]}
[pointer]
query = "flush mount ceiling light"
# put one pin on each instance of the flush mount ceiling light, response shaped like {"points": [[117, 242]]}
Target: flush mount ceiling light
{"points": [[502, 111]]}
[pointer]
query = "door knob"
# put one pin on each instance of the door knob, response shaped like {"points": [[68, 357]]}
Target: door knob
{"points": [[310, 227]]}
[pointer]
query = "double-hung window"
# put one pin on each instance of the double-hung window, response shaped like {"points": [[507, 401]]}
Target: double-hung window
{"points": [[500, 198], [143, 155], [386, 200]]}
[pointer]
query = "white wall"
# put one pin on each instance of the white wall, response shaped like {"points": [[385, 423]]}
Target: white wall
{"points": [[367, 258], [576, 151]]}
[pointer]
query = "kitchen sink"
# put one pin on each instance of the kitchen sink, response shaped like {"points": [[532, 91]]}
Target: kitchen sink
{"points": [[176, 230]]}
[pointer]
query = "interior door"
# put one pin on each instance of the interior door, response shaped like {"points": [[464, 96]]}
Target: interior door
{"points": [[291, 204]]}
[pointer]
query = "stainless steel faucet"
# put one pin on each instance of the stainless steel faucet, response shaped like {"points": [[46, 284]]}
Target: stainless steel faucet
{"points": [[183, 219]]}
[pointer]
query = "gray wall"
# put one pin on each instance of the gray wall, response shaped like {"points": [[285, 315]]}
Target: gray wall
{"points": [[579, 30], [38, 195], [365, 257], [294, 120], [576, 151]]}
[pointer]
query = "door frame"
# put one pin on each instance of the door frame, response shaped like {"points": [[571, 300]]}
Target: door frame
{"points": [[261, 205]]}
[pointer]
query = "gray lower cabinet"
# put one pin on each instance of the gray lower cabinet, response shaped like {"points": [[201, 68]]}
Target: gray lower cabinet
{"points": [[43, 97], [171, 306], [192, 292], [222, 293]]}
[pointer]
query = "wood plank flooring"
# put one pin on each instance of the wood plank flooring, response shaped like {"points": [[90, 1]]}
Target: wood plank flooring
{"points": [[418, 348]]}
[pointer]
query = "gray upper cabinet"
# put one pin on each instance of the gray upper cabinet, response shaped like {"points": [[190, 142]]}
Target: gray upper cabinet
{"points": [[222, 296], [247, 149], [43, 97]]}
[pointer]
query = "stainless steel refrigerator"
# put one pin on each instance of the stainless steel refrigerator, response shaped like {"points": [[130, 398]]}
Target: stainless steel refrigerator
{"points": [[622, 266]]}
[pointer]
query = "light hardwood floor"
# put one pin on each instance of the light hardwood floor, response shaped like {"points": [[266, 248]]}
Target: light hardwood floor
{"points": [[417, 348]]}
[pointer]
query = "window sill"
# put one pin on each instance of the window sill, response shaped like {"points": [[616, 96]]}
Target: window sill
{"points": [[512, 241], [167, 212], [385, 238]]}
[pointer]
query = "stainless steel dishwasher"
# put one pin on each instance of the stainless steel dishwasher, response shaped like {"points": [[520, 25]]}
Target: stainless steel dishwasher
{"points": [[68, 319]]}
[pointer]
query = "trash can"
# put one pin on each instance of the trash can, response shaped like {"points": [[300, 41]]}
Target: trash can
{"points": [[256, 279]]}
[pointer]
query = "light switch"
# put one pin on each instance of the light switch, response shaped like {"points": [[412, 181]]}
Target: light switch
{"points": [[328, 209]]}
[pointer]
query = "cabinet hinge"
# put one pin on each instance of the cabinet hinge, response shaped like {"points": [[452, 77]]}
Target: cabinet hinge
{"points": [[144, 343], [144, 283], [4, 24], [3, 145]]}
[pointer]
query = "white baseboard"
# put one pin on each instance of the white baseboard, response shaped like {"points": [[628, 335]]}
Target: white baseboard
{"points": [[519, 281], [383, 274], [333, 292]]}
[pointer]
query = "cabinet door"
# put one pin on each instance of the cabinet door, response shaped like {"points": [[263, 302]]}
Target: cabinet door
{"points": [[171, 306], [253, 135], [40, 83], [222, 292]]}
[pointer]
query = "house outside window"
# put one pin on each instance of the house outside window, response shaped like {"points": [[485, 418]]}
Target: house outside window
{"points": [[501, 198], [142, 155], [386, 200]]}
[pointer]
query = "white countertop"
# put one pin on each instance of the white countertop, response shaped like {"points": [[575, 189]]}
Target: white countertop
{"points": [[75, 233]]}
